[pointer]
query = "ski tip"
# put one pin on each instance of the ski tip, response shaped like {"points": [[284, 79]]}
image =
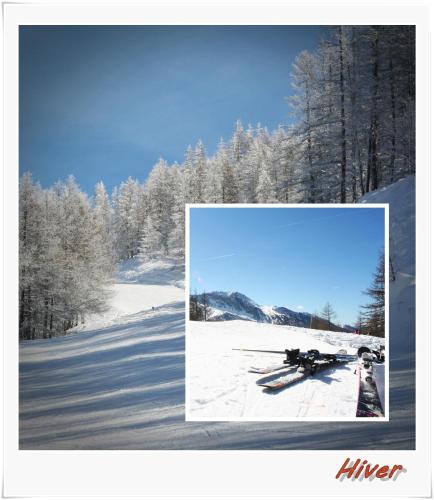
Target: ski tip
{"points": [[257, 370], [272, 387]]}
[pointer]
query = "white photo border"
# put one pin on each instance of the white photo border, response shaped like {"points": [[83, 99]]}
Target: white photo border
{"points": [[189, 417], [221, 473]]}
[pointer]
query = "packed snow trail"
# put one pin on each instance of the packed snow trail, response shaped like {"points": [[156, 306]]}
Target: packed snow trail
{"points": [[121, 385], [93, 387]]}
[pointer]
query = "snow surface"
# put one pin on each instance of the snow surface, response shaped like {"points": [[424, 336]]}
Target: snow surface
{"points": [[121, 385], [221, 386]]}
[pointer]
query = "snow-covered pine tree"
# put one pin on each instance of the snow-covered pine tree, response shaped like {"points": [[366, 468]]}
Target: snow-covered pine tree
{"points": [[237, 155], [103, 222], [265, 190], [62, 275], [213, 191], [253, 162], [159, 224], [189, 176], [229, 182], [239, 143], [30, 232], [303, 105], [199, 172], [177, 235], [346, 99], [83, 281], [128, 218], [354, 104]]}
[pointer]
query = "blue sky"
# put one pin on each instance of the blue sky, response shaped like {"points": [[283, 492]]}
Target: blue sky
{"points": [[299, 258], [104, 103]]}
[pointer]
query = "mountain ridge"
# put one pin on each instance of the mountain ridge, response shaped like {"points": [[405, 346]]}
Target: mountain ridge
{"points": [[229, 306]]}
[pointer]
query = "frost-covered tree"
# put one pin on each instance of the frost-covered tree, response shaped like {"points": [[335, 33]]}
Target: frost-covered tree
{"points": [[159, 223], [303, 105], [103, 222], [62, 274], [229, 182], [30, 233], [188, 176], [265, 191], [353, 135], [239, 144], [213, 191], [128, 218], [199, 173], [177, 235], [353, 106]]}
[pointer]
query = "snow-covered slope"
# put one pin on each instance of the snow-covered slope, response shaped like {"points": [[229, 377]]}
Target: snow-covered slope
{"points": [[221, 387], [121, 385], [121, 371], [226, 306], [401, 199], [402, 322], [140, 288]]}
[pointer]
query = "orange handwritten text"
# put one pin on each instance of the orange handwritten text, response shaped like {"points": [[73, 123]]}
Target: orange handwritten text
{"points": [[364, 470]]}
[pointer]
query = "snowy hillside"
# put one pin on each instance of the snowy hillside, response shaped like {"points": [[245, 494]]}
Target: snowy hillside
{"points": [[120, 372], [120, 385], [401, 197], [226, 306], [140, 286], [221, 387], [402, 321]]}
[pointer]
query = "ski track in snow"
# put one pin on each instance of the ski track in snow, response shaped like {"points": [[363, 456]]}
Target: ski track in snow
{"points": [[118, 382]]}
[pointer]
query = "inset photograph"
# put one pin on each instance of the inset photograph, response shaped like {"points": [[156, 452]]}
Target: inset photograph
{"points": [[287, 310]]}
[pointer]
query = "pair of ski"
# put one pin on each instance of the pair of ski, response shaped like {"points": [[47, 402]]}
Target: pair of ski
{"points": [[292, 358], [368, 400], [298, 366]]}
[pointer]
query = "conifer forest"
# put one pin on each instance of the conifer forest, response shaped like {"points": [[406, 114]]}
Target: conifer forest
{"points": [[351, 130]]}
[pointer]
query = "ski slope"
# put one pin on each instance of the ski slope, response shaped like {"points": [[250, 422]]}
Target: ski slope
{"points": [[221, 387], [118, 382], [99, 385]]}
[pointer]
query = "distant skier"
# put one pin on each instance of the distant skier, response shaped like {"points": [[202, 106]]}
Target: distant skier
{"points": [[153, 308]]}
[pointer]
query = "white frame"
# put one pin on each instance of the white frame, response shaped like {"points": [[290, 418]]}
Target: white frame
{"points": [[252, 206], [221, 473]]}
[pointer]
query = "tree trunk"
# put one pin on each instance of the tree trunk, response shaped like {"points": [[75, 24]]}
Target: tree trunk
{"points": [[45, 332], [343, 121], [311, 196], [393, 108], [374, 122], [369, 163], [51, 318]]}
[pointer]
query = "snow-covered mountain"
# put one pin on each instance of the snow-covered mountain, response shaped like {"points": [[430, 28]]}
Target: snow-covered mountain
{"points": [[226, 306]]}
